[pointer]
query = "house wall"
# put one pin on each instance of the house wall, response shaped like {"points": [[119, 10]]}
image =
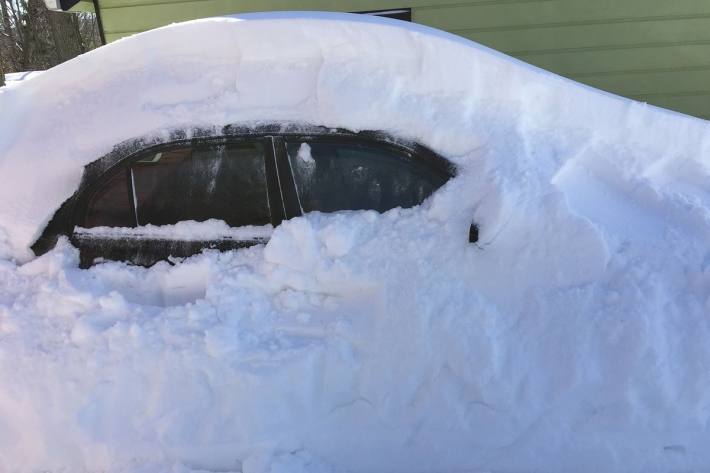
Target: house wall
{"points": [[657, 51]]}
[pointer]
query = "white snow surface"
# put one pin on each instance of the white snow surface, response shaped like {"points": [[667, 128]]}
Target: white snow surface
{"points": [[572, 337], [13, 78]]}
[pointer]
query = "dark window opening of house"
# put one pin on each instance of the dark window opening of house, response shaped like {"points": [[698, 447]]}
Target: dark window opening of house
{"points": [[404, 14]]}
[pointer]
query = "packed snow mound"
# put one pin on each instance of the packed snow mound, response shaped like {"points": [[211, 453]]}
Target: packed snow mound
{"points": [[572, 337]]}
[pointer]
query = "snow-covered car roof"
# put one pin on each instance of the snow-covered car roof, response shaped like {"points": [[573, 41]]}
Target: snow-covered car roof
{"points": [[340, 70]]}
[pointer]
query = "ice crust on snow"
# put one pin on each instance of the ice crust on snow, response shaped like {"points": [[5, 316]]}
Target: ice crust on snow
{"points": [[572, 337]]}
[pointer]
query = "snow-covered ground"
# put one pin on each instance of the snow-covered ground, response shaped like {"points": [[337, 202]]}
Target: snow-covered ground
{"points": [[572, 337]]}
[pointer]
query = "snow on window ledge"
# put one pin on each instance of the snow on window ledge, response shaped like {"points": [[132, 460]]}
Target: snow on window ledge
{"points": [[188, 230]]}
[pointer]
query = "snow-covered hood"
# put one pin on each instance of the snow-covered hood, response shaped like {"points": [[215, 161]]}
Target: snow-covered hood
{"points": [[572, 336]]}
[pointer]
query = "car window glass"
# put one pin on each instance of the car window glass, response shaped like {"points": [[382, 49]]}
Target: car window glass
{"points": [[221, 181], [349, 176], [110, 205]]}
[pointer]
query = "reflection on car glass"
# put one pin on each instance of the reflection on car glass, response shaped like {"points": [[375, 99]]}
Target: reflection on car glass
{"points": [[151, 159], [342, 176], [110, 205], [226, 182], [219, 181]]}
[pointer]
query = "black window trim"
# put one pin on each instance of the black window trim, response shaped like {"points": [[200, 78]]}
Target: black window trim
{"points": [[278, 167]]}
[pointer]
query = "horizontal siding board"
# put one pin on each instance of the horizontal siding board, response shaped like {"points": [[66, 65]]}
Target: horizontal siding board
{"points": [[334, 5], [645, 85], [152, 15], [632, 72], [145, 17], [551, 13], [239, 5], [691, 104], [619, 60], [458, 17], [111, 37], [600, 36], [82, 6]]}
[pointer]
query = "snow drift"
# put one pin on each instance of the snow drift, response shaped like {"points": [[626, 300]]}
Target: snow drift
{"points": [[573, 337]]}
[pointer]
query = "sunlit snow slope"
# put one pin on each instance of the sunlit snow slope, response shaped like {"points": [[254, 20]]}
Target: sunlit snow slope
{"points": [[573, 337]]}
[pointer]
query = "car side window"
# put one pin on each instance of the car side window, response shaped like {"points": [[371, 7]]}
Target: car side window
{"points": [[110, 205], [224, 181], [331, 176]]}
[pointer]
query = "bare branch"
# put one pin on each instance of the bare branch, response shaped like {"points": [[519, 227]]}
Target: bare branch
{"points": [[32, 37]]}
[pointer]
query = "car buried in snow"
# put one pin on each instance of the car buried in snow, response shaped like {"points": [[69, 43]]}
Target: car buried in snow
{"points": [[146, 201], [572, 337]]}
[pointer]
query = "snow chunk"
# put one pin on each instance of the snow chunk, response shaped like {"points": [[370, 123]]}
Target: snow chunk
{"points": [[304, 154]]}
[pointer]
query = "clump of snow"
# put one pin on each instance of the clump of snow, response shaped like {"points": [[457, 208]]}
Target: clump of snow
{"points": [[571, 337], [304, 154], [14, 78]]}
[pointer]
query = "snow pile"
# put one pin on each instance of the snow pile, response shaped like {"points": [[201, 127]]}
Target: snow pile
{"points": [[13, 78], [572, 337]]}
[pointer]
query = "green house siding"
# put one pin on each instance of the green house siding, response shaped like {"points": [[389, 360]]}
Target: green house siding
{"points": [[657, 51]]}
